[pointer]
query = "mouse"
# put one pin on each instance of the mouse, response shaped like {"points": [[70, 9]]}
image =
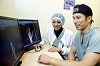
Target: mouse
{"points": [[37, 49]]}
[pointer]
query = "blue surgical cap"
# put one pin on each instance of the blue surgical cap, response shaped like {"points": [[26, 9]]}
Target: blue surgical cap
{"points": [[59, 16]]}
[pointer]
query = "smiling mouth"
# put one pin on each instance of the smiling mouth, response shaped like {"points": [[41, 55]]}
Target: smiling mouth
{"points": [[76, 26], [56, 27]]}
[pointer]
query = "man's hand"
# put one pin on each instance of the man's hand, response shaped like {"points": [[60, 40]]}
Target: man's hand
{"points": [[43, 58]]}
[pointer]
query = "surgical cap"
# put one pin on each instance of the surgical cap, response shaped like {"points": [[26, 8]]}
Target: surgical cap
{"points": [[59, 16]]}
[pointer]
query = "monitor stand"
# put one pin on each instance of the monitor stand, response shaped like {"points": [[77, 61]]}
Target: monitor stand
{"points": [[19, 63], [29, 48]]}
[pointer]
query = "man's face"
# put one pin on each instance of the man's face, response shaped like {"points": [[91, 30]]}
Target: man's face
{"points": [[80, 21], [56, 24]]}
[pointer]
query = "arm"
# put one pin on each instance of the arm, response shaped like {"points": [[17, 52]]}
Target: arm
{"points": [[44, 39], [66, 49], [71, 55], [89, 59], [54, 49]]}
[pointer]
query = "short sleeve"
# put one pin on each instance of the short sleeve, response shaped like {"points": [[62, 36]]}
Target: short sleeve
{"points": [[94, 43]]}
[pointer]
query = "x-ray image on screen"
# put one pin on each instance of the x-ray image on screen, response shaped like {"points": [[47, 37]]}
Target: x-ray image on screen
{"points": [[30, 31]]}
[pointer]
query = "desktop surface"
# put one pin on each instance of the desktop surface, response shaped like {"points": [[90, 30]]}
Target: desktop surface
{"points": [[30, 58]]}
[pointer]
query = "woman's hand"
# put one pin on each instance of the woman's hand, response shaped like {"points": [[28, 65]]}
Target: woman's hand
{"points": [[38, 46], [54, 49]]}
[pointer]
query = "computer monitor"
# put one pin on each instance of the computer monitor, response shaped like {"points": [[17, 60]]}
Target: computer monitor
{"points": [[30, 32], [11, 46]]}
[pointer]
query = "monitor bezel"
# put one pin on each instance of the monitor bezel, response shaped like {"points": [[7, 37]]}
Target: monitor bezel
{"points": [[15, 19]]}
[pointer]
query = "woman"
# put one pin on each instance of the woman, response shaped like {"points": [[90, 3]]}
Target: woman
{"points": [[60, 38]]}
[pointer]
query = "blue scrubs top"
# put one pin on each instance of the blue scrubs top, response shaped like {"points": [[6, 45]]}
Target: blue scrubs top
{"points": [[91, 42]]}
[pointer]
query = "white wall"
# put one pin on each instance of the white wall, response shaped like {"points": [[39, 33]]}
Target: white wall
{"points": [[44, 9], [7, 8], [95, 5]]}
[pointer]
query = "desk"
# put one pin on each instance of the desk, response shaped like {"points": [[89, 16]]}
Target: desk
{"points": [[31, 58]]}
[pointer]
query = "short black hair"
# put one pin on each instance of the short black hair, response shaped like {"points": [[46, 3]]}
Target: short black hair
{"points": [[84, 9]]}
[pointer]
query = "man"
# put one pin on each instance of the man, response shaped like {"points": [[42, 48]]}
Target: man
{"points": [[86, 43]]}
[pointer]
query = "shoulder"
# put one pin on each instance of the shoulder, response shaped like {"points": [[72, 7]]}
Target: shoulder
{"points": [[95, 32], [48, 30], [94, 41], [68, 31]]}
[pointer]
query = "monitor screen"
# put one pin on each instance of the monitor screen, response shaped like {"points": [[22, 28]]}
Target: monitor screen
{"points": [[11, 47], [30, 31]]}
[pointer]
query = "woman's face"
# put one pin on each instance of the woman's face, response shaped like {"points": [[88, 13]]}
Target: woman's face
{"points": [[57, 24]]}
